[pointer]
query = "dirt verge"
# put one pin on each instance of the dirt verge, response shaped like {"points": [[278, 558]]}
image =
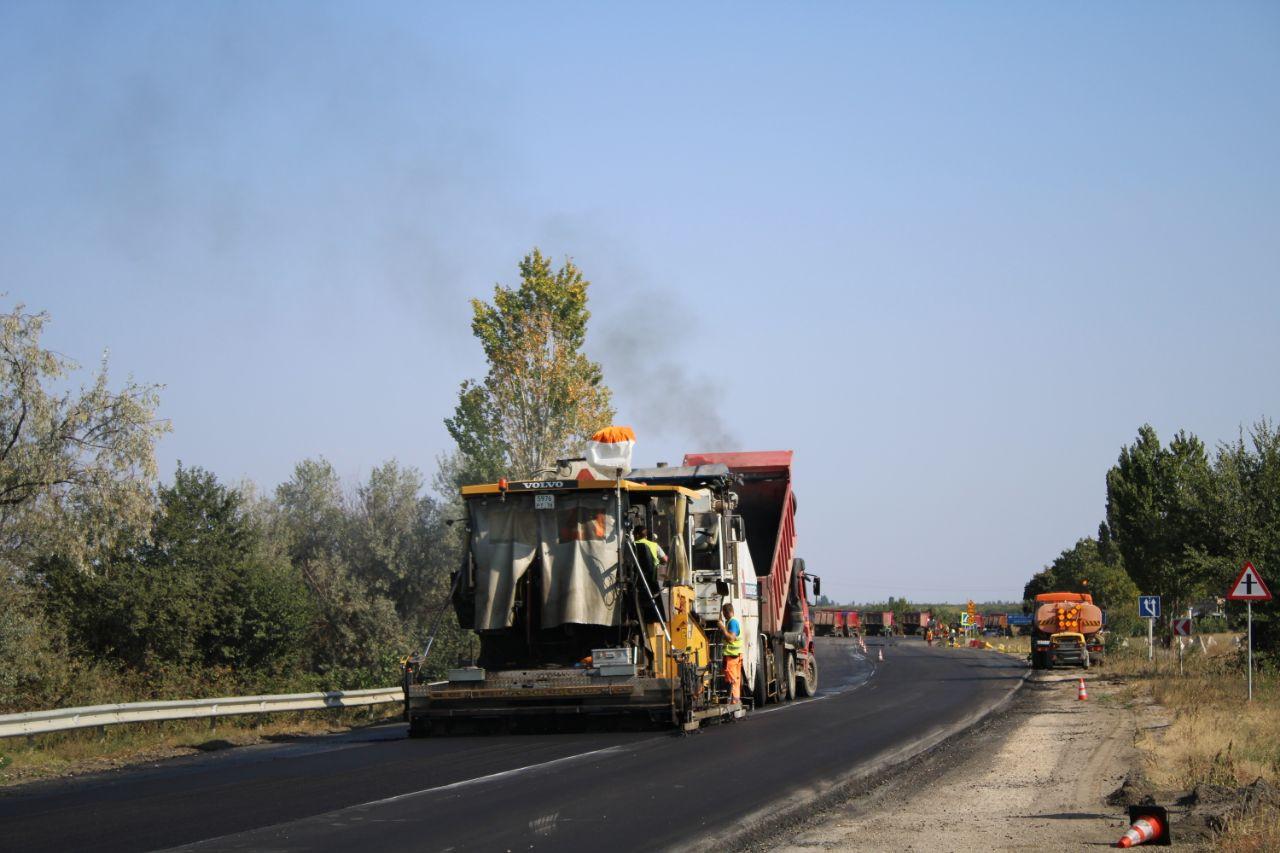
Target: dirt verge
{"points": [[1035, 776]]}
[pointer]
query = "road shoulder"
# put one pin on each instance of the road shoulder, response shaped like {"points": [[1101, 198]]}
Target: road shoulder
{"points": [[1034, 775]]}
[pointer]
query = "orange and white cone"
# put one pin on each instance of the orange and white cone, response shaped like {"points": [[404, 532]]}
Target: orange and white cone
{"points": [[1082, 694], [1143, 830]]}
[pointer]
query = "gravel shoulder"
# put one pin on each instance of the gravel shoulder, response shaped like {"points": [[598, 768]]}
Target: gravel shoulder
{"points": [[1033, 776]]}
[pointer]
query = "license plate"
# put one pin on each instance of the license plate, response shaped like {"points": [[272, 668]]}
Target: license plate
{"points": [[544, 501]]}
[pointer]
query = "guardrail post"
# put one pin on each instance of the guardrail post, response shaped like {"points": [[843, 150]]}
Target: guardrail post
{"points": [[213, 724]]}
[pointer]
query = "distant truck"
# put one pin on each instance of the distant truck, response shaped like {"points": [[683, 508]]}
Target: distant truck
{"points": [[877, 623], [834, 622], [852, 623], [1066, 631], [916, 621], [829, 622]]}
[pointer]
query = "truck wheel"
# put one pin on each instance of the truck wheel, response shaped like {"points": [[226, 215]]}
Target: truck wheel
{"points": [[788, 676], [419, 727], [808, 683]]}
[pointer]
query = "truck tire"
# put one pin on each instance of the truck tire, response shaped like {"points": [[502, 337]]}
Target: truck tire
{"points": [[808, 683], [419, 727], [788, 686]]}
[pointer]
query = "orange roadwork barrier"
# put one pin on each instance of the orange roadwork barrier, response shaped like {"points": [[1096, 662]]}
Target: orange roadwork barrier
{"points": [[1143, 830], [1082, 694]]}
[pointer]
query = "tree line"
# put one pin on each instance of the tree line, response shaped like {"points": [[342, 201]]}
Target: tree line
{"points": [[1179, 522], [115, 586]]}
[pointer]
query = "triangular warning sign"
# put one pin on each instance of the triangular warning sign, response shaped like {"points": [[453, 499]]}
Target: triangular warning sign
{"points": [[1249, 586]]}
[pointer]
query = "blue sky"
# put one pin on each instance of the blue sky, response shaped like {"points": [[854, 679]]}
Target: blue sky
{"points": [[954, 255]]}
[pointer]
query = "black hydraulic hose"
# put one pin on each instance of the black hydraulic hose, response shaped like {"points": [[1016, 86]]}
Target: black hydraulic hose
{"points": [[448, 599]]}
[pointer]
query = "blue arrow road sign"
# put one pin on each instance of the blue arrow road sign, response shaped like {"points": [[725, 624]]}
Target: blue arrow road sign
{"points": [[1149, 606]]}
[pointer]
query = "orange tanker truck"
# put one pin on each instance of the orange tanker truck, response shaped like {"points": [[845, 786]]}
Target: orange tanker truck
{"points": [[1066, 630]]}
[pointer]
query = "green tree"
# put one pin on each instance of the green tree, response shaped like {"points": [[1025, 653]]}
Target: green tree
{"points": [[75, 465], [1159, 515], [542, 397], [1082, 568], [200, 591], [350, 563], [1247, 512]]}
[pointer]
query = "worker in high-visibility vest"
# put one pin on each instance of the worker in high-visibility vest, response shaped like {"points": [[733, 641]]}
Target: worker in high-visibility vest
{"points": [[732, 630], [641, 535]]}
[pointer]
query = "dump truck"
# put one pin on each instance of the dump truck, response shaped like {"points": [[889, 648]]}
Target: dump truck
{"points": [[787, 666], [574, 619], [829, 622], [878, 622], [995, 620], [852, 623], [1066, 630], [915, 621]]}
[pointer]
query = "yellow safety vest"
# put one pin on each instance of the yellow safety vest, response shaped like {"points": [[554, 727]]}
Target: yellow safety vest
{"points": [[733, 647], [653, 549]]}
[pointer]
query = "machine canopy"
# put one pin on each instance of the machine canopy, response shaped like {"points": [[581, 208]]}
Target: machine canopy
{"points": [[577, 543]]}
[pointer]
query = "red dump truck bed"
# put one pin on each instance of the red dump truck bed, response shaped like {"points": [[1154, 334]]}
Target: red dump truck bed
{"points": [[916, 621], [878, 621], [827, 622]]}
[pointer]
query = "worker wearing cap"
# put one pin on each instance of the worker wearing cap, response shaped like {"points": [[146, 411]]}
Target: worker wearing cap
{"points": [[732, 630]]}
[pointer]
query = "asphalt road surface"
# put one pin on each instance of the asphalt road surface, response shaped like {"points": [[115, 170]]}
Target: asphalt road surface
{"points": [[377, 789]]}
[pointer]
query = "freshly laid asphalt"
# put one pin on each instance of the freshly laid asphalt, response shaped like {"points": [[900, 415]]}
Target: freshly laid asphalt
{"points": [[377, 789]]}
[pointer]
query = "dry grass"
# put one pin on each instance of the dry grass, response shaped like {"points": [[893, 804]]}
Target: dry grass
{"points": [[1257, 834], [1214, 735], [1014, 645], [92, 750]]}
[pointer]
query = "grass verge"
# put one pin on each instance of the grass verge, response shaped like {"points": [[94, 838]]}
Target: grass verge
{"points": [[1213, 736]]}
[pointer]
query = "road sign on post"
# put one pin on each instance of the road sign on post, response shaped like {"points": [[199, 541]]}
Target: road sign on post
{"points": [[1181, 628], [1249, 587], [1149, 609]]}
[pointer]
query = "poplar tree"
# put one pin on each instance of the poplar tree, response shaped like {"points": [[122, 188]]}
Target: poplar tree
{"points": [[542, 397]]}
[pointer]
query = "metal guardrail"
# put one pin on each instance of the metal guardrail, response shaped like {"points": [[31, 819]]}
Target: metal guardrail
{"points": [[61, 719]]}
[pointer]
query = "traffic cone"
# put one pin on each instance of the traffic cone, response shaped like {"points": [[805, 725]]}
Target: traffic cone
{"points": [[1143, 830], [1082, 694], [880, 654]]}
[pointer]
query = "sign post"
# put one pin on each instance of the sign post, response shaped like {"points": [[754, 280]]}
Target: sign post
{"points": [[1249, 587], [1181, 630], [1149, 609]]}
